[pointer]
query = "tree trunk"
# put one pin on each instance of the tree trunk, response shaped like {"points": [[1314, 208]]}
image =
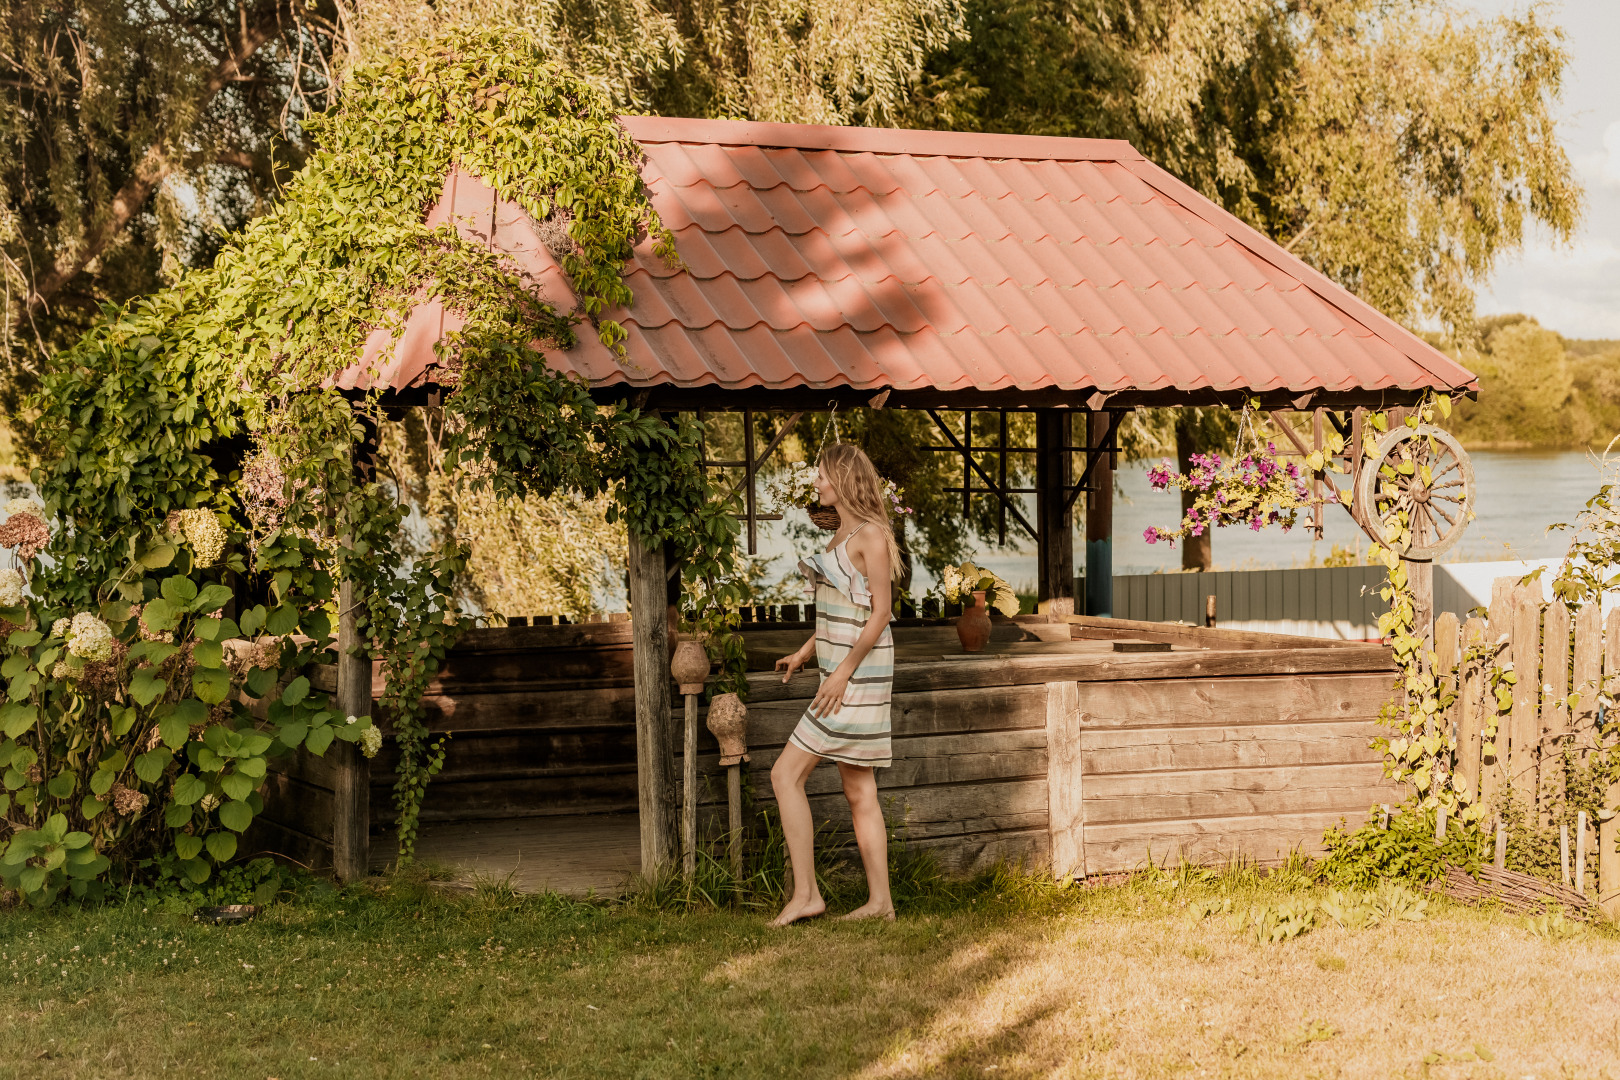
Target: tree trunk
{"points": [[655, 756]]}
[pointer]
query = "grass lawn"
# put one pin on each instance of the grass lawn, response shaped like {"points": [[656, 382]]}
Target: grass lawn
{"points": [[1007, 979]]}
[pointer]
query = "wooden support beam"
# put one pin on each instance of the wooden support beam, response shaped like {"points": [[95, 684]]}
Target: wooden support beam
{"points": [[1525, 724], [1471, 708], [1066, 815], [1054, 524], [351, 799], [1100, 520], [655, 758]]}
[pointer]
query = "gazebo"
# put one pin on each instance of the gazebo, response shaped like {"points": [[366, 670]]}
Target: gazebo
{"points": [[825, 266]]}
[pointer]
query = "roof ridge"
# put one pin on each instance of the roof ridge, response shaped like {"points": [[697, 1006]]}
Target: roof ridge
{"points": [[893, 142]]}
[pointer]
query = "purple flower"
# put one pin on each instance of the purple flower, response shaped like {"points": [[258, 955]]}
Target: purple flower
{"points": [[1150, 534]]}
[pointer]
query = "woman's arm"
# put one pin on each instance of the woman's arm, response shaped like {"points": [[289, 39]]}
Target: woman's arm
{"points": [[869, 551]]}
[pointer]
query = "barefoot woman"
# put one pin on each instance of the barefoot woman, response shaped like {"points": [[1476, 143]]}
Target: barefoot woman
{"points": [[849, 719]]}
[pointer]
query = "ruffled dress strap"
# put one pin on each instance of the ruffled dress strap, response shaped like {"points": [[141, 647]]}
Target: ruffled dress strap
{"points": [[834, 569]]}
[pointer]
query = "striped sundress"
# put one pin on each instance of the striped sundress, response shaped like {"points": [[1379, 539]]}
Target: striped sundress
{"points": [[858, 734]]}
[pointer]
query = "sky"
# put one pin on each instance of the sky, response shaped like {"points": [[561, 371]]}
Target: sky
{"points": [[1575, 288]]}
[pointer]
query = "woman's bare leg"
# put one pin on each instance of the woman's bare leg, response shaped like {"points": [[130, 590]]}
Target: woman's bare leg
{"points": [[788, 775], [872, 836]]}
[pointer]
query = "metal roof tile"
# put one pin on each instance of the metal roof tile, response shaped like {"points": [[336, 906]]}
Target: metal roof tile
{"points": [[794, 169], [873, 172]]}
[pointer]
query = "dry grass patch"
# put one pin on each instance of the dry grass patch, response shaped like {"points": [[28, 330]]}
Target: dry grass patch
{"points": [[1009, 980]]}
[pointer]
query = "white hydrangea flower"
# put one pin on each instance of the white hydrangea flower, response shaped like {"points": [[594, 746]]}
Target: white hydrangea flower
{"points": [[11, 588], [210, 803], [24, 506], [202, 532], [60, 627], [61, 670], [371, 741], [90, 638], [951, 582]]}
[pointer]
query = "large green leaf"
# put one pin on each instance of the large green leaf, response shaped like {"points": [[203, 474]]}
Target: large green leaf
{"points": [[212, 598], [157, 556], [236, 815], [221, 845], [150, 765], [16, 718], [235, 785], [187, 847], [174, 730], [179, 590], [283, 620], [296, 691], [319, 739], [62, 784], [145, 686], [159, 616], [212, 684], [189, 788], [197, 870]]}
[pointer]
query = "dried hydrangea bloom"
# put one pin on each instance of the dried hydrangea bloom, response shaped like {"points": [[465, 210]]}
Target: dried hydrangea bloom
{"points": [[90, 638], [127, 801], [264, 489], [11, 588], [25, 533], [202, 532]]}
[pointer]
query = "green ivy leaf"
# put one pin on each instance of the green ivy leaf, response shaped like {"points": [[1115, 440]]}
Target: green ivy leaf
{"points": [[319, 739], [196, 870], [260, 682], [91, 808], [212, 598], [173, 730], [236, 785], [62, 784], [253, 622], [283, 620], [187, 847], [179, 591], [157, 556], [177, 816]]}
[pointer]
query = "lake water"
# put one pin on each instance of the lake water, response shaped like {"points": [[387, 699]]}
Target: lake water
{"points": [[1520, 493]]}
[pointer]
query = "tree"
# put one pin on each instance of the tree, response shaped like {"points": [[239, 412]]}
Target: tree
{"points": [[133, 137], [1396, 147]]}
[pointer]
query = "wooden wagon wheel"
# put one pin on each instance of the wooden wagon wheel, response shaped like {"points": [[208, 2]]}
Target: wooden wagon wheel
{"points": [[1426, 473]]}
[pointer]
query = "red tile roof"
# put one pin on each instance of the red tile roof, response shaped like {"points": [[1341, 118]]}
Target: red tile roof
{"points": [[860, 258]]}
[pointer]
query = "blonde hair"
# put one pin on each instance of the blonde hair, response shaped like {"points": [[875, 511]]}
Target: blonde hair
{"points": [[860, 494]]}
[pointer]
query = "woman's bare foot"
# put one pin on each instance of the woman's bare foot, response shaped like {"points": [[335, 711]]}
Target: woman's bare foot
{"points": [[870, 910], [797, 909]]}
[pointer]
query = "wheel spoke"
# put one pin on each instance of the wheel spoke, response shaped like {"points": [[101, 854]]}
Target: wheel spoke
{"points": [[1436, 510]]}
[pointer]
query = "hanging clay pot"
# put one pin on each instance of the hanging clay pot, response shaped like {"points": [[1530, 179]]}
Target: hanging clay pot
{"points": [[973, 625], [824, 518], [690, 665], [728, 719]]}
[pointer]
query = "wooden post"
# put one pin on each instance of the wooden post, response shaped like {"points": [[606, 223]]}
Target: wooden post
{"points": [[1609, 831], [1525, 725], [1563, 853], [734, 818], [1500, 860], [1471, 711], [1554, 711], [655, 759], [1586, 675], [1054, 521], [1066, 814], [1494, 755], [1209, 611], [1099, 524], [1420, 575], [1580, 852], [689, 789], [351, 799]]}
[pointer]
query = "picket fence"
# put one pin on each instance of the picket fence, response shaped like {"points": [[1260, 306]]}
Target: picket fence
{"points": [[1555, 654]]}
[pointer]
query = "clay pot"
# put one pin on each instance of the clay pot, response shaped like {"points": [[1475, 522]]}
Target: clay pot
{"points": [[973, 625], [690, 665], [728, 719], [824, 518]]}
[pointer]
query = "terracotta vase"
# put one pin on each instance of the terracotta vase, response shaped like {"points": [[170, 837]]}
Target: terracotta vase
{"points": [[690, 665], [973, 625], [728, 719]]}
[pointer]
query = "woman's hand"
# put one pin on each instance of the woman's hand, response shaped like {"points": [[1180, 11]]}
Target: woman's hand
{"points": [[830, 698], [796, 660]]}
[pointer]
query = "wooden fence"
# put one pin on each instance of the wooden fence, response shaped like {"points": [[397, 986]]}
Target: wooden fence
{"points": [[1555, 654]]}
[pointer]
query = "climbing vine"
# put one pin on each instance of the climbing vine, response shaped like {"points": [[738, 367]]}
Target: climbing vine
{"points": [[204, 504]]}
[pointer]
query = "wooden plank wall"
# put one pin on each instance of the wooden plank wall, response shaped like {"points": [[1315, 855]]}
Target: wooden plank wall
{"points": [[1554, 652], [541, 721], [1162, 766]]}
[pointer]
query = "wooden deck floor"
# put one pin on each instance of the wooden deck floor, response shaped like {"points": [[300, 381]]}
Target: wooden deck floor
{"points": [[566, 853]]}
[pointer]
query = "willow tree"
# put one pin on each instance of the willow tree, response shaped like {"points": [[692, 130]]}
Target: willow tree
{"points": [[1394, 145]]}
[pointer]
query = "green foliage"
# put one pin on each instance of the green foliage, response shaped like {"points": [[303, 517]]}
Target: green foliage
{"points": [[1405, 851], [170, 890], [200, 469]]}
